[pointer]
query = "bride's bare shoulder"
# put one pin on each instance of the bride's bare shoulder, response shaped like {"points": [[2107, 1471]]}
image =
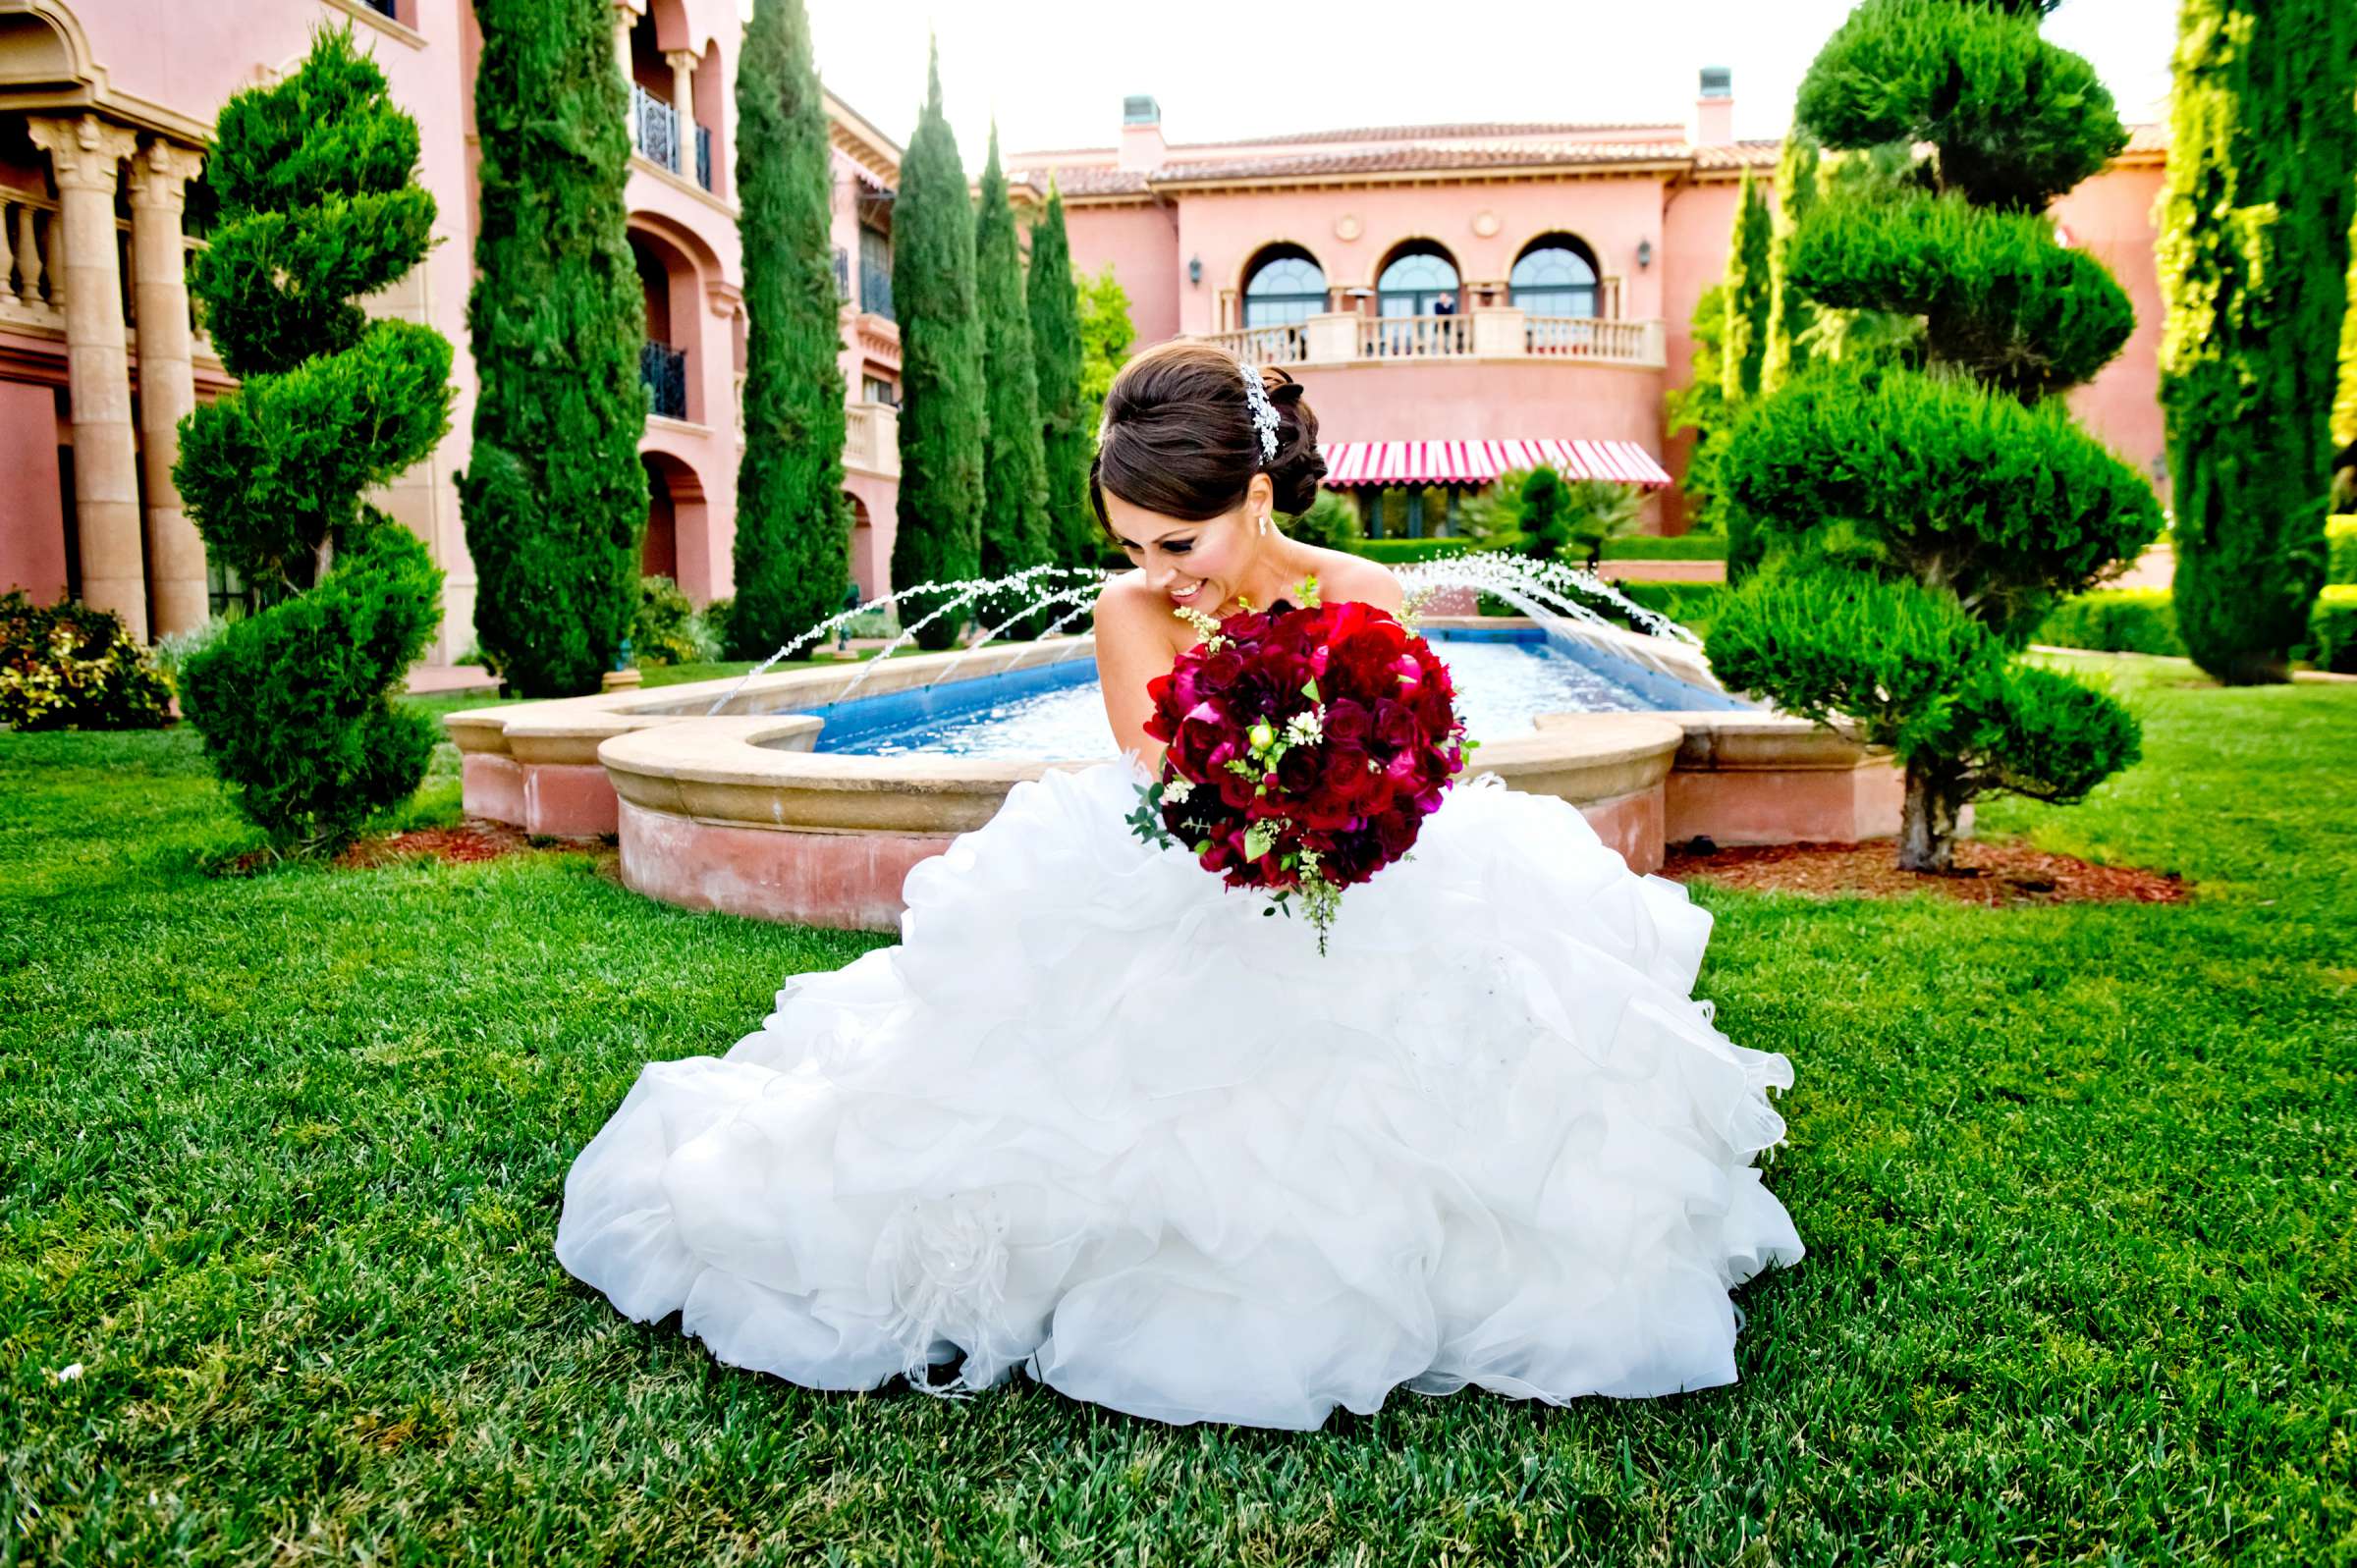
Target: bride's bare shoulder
{"points": [[1127, 608], [1341, 575]]}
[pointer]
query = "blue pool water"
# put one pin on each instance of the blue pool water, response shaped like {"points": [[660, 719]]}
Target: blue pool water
{"points": [[1505, 678]]}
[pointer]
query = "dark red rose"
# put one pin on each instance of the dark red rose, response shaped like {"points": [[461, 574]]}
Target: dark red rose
{"points": [[1298, 771]]}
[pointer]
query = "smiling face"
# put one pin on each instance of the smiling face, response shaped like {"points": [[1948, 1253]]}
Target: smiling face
{"points": [[1199, 564]]}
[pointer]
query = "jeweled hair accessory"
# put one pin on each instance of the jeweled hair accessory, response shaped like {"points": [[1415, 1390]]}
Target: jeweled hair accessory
{"points": [[1264, 412]]}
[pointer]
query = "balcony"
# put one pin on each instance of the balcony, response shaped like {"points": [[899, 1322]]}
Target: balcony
{"points": [[655, 131], [871, 438], [1481, 334], [664, 371]]}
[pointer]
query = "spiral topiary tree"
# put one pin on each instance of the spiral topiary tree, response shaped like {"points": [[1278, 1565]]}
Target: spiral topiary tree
{"points": [[1922, 517], [317, 209], [942, 420], [793, 538], [554, 496], [2254, 262]]}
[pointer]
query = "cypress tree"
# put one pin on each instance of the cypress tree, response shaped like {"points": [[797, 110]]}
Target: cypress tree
{"points": [[1015, 479], [554, 497], [1790, 313], [941, 416], [1743, 345], [1055, 349], [317, 209], [2254, 266], [1700, 406], [793, 536], [1930, 508]]}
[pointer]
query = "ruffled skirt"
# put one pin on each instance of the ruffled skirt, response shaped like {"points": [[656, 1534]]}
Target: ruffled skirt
{"points": [[1097, 1116]]}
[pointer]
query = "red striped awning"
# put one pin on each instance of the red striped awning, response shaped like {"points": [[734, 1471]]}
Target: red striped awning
{"points": [[1433, 462]]}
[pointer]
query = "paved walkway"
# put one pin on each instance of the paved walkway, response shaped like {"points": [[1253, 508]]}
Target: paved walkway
{"points": [[426, 679]]}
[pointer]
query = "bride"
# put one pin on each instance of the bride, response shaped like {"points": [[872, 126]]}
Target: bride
{"points": [[1096, 1117]]}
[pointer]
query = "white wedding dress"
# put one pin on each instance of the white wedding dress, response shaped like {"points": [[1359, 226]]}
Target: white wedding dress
{"points": [[1097, 1116]]}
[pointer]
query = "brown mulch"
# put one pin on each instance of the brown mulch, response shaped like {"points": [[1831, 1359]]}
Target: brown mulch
{"points": [[475, 838], [472, 839], [1990, 874]]}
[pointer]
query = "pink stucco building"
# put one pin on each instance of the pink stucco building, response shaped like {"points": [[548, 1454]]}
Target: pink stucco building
{"points": [[105, 109], [1571, 256], [1456, 284]]}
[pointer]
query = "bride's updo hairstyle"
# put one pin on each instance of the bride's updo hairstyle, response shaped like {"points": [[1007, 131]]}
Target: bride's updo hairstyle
{"points": [[1178, 438]]}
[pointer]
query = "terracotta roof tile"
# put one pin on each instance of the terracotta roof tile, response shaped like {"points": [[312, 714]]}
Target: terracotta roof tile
{"points": [[1442, 132], [1095, 180]]}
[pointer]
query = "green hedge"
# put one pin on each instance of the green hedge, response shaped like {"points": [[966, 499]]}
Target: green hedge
{"points": [[2340, 543], [69, 667], [2114, 620], [2332, 629], [1404, 551], [1654, 547]]}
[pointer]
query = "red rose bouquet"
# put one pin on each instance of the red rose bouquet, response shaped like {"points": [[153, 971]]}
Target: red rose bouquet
{"points": [[1305, 748]]}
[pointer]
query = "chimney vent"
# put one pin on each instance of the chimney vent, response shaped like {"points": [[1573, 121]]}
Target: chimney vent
{"points": [[1718, 81], [1140, 109]]}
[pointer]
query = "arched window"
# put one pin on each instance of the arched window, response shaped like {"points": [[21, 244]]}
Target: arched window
{"points": [[1414, 280], [1555, 276], [1286, 288]]}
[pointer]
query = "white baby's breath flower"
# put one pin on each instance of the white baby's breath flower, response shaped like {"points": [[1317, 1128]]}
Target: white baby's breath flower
{"points": [[1175, 792]]}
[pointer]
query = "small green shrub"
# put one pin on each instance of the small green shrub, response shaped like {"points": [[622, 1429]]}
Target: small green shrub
{"points": [[2340, 545], [668, 631], [2332, 631], [69, 667], [2114, 620], [1691, 605], [1330, 523], [174, 649]]}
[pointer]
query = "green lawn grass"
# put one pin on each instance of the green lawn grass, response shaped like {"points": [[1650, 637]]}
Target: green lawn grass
{"points": [[281, 1158]]}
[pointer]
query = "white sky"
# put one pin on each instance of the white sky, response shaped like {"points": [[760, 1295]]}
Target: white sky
{"points": [[1055, 72]]}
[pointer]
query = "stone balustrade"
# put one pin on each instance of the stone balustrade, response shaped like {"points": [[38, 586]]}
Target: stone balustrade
{"points": [[1484, 333], [871, 438], [32, 289]]}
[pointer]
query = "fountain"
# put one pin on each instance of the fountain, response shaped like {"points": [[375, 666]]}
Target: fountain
{"points": [[808, 793]]}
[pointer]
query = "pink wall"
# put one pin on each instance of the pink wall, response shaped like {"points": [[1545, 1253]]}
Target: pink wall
{"points": [[1141, 245], [1227, 230], [33, 534], [2110, 218]]}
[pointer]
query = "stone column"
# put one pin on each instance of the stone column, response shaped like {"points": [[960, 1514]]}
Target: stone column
{"points": [[682, 107], [85, 154], [159, 189], [626, 15]]}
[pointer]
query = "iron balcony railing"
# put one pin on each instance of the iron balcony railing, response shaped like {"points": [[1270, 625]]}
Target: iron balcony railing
{"points": [[655, 131], [664, 369], [655, 127]]}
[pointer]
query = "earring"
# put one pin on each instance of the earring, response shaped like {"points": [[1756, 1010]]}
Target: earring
{"points": [[1264, 522]]}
